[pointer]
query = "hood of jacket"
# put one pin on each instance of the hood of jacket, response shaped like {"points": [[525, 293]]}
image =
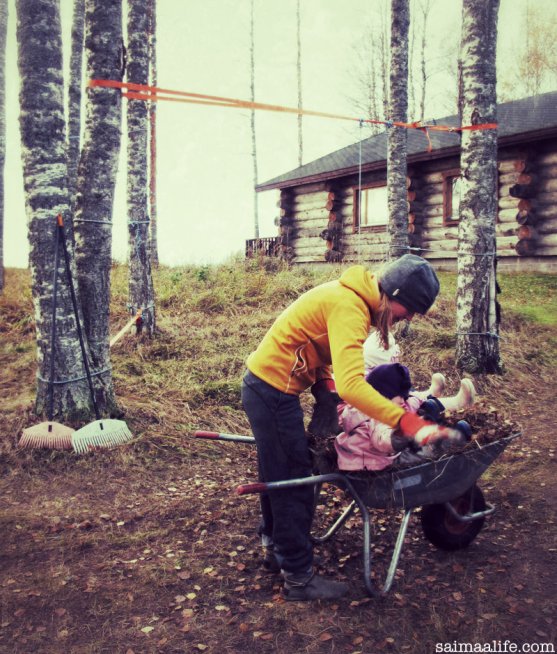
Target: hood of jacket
{"points": [[363, 282]]}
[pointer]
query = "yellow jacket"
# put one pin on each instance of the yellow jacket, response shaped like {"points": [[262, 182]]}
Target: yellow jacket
{"points": [[326, 325]]}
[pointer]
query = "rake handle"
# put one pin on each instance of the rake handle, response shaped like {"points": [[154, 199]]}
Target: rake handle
{"points": [[76, 312], [219, 436], [53, 323]]}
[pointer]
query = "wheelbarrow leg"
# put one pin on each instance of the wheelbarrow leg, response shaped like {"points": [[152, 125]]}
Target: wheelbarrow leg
{"points": [[371, 588]]}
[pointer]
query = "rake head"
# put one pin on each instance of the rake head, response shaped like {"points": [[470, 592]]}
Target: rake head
{"points": [[100, 434], [47, 435]]}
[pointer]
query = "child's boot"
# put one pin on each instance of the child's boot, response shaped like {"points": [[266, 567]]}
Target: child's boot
{"points": [[438, 383], [463, 399]]}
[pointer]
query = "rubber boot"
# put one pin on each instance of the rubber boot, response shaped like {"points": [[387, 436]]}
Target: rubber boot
{"points": [[437, 386], [307, 587], [463, 399]]}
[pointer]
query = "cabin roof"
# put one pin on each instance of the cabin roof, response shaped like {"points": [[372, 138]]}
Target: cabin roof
{"points": [[521, 120]]}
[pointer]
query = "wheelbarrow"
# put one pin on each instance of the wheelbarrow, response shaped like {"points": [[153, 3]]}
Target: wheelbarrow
{"points": [[453, 506]]}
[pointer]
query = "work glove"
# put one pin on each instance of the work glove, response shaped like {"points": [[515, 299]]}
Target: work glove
{"points": [[424, 432], [324, 420]]}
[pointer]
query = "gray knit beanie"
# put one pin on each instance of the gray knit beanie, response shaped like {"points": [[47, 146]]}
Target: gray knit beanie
{"points": [[411, 281]]}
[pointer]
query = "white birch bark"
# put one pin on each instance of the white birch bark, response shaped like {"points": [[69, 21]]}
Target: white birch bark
{"points": [[252, 117], [3, 29], [140, 283], [154, 242], [43, 140], [95, 186], [74, 94], [299, 78], [397, 137], [477, 325]]}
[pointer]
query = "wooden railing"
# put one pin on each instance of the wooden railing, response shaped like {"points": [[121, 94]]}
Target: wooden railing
{"points": [[267, 247]]}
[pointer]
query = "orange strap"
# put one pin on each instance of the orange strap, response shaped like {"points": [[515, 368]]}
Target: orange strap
{"points": [[154, 94]]}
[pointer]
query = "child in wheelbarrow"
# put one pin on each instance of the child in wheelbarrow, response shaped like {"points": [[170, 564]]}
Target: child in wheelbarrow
{"points": [[367, 444]]}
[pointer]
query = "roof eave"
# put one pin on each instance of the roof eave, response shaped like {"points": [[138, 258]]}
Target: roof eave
{"points": [[440, 153]]}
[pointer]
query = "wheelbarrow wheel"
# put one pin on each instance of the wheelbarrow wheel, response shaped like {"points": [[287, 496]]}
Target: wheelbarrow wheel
{"points": [[445, 531]]}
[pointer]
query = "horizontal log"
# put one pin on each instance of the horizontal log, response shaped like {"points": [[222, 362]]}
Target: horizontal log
{"points": [[526, 178], [548, 171], [507, 202], [512, 165], [526, 232], [307, 189], [508, 178], [547, 225], [411, 196], [549, 197], [439, 234], [547, 158], [507, 215], [526, 218], [547, 185], [432, 200], [505, 229], [312, 214], [550, 251], [525, 205], [547, 240], [525, 247], [306, 205], [432, 178]]}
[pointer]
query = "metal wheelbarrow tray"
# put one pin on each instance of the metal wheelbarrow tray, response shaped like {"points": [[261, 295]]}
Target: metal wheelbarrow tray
{"points": [[454, 509]]}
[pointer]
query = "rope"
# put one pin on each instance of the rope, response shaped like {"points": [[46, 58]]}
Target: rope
{"points": [[76, 379], [154, 94], [360, 195]]}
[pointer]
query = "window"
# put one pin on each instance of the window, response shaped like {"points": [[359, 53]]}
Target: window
{"points": [[374, 207], [452, 189]]}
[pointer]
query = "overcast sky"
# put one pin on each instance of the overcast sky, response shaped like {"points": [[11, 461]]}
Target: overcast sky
{"points": [[205, 179]]}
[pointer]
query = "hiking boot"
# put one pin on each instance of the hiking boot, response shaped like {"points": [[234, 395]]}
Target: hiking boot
{"points": [[309, 587], [270, 561]]}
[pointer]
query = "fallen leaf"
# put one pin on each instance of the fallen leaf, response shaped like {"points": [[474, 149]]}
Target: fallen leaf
{"points": [[457, 596], [60, 612], [191, 596], [325, 637], [202, 647], [147, 630], [179, 599]]}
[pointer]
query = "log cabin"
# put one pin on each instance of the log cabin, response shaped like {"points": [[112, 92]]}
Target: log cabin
{"points": [[335, 208]]}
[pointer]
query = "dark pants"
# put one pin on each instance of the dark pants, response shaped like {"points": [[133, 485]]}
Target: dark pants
{"points": [[277, 423]]}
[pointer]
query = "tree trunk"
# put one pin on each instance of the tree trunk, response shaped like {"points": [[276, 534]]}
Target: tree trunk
{"points": [[397, 139], [253, 130], [74, 94], [141, 293], [299, 78], [153, 135], [43, 139], [477, 311], [96, 180], [3, 29]]}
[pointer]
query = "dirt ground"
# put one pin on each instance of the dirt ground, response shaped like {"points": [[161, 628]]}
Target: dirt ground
{"points": [[109, 554], [147, 549]]}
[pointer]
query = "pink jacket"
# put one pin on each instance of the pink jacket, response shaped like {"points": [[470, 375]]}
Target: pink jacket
{"points": [[365, 443]]}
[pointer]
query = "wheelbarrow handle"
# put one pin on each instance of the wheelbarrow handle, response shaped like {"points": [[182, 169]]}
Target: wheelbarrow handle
{"points": [[215, 435], [313, 480]]}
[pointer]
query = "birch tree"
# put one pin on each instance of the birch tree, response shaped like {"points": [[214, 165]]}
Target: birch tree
{"points": [[299, 79], [95, 186], [140, 283], [397, 136], [252, 118], [43, 140], [477, 316], [153, 232], [3, 29], [74, 93]]}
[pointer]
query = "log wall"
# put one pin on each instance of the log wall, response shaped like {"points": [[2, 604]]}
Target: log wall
{"points": [[316, 221]]}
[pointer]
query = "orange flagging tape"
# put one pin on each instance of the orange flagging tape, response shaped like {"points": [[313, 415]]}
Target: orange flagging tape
{"points": [[155, 94]]}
